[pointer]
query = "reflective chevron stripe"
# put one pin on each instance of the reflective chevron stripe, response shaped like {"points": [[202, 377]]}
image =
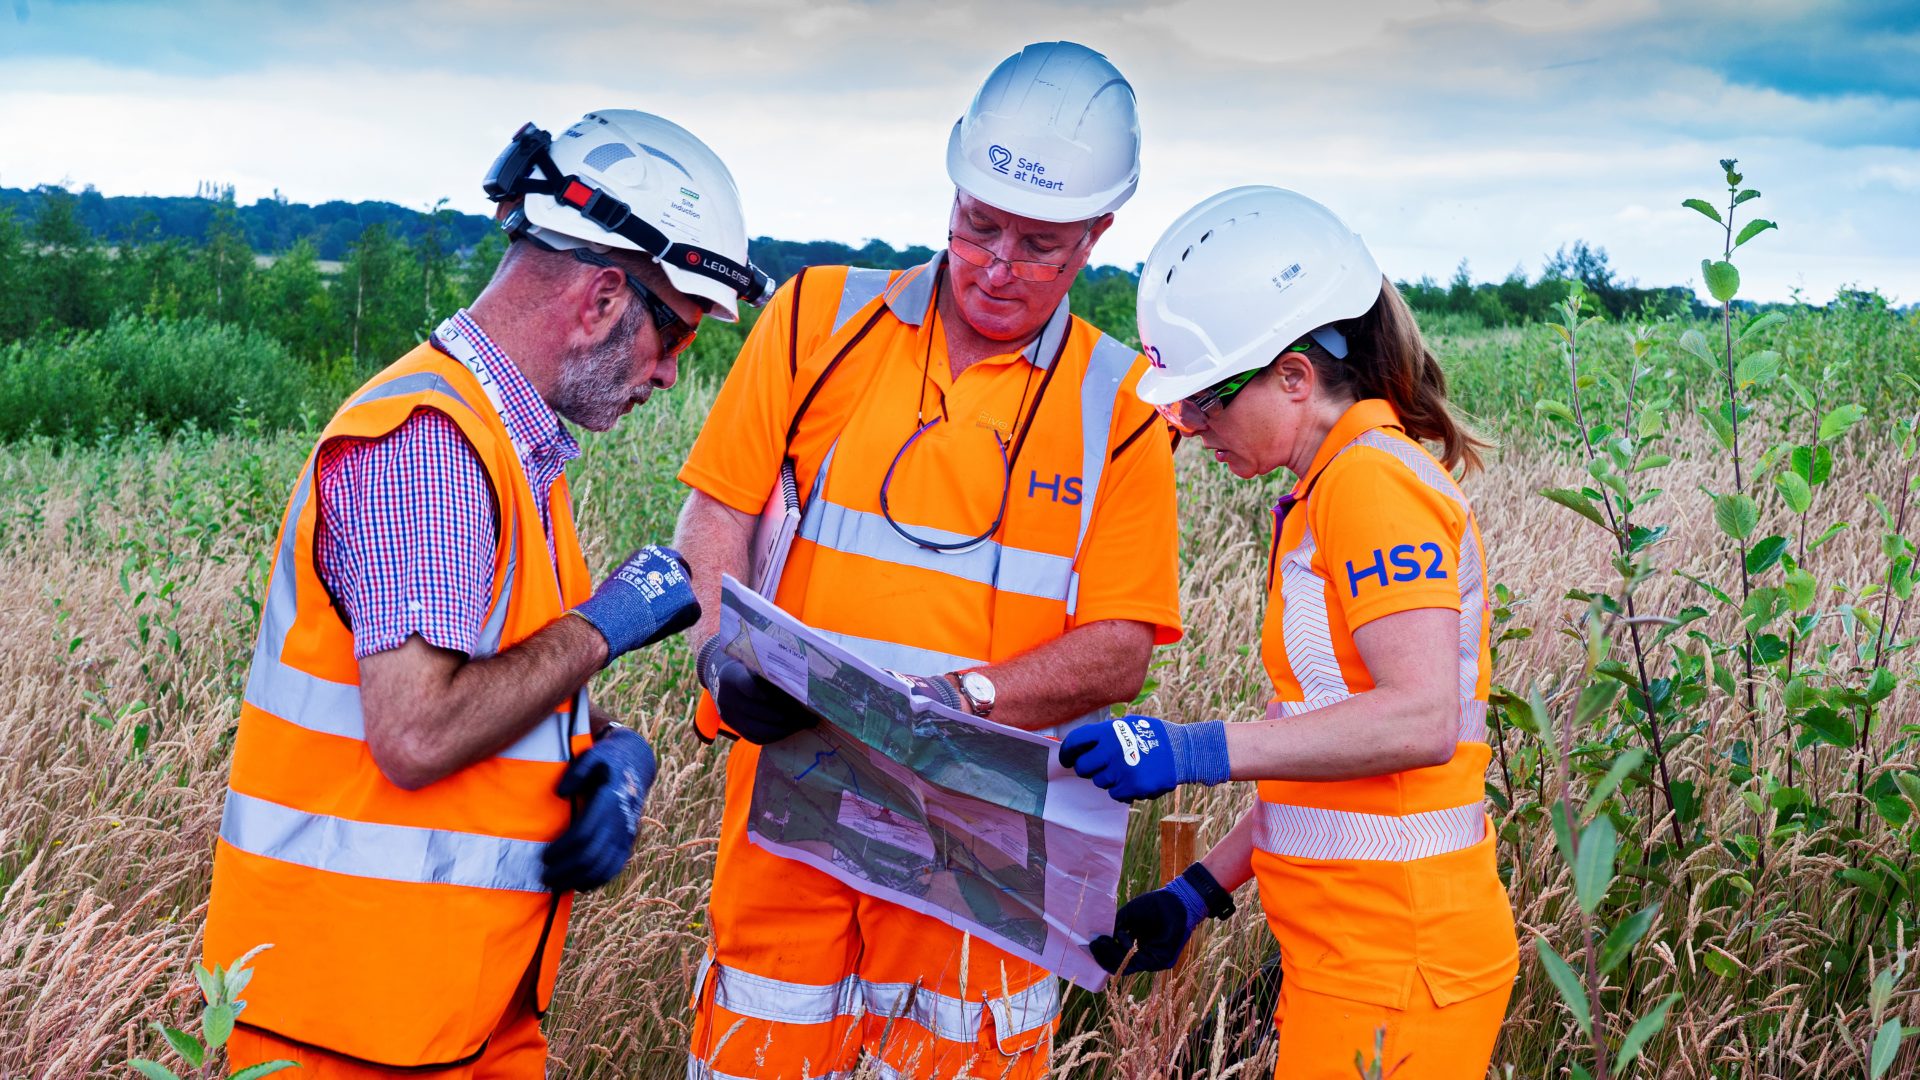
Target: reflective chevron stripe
{"points": [[388, 852], [1304, 628], [1307, 832]]}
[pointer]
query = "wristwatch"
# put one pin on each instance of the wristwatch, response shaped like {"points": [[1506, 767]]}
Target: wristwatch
{"points": [[977, 689]]}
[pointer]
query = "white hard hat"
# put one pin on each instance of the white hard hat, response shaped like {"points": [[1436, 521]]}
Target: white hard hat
{"points": [[1240, 277], [1051, 135], [620, 178]]}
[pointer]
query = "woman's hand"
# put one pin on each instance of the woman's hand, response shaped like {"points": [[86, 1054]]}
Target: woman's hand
{"points": [[1143, 757]]}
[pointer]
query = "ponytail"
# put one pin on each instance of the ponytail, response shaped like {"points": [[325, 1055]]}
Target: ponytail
{"points": [[1387, 358]]}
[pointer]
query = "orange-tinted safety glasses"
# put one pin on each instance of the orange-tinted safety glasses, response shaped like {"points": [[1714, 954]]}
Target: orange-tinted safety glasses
{"points": [[1025, 269]]}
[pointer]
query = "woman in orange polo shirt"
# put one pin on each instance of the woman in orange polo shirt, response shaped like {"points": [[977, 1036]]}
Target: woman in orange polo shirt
{"points": [[1277, 344]]}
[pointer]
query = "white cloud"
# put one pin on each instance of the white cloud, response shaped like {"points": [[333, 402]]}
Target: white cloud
{"points": [[1441, 128]]}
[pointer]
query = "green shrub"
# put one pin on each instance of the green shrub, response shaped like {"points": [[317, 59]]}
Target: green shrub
{"points": [[171, 374]]}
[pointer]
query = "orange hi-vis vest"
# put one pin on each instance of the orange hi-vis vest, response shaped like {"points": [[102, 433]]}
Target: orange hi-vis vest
{"points": [[991, 601], [401, 921], [1369, 884]]}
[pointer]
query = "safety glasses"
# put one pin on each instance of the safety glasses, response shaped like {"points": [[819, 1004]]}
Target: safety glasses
{"points": [[1025, 269], [674, 333], [1188, 416], [950, 543]]}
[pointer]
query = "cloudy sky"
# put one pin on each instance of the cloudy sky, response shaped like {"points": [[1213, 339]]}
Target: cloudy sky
{"points": [[1491, 130]]}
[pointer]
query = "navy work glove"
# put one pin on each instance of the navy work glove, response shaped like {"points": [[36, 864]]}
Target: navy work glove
{"points": [[648, 598], [1143, 757], [756, 710], [609, 785], [1155, 926]]}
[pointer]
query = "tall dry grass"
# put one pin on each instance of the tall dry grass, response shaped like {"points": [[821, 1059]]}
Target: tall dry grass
{"points": [[131, 570]]}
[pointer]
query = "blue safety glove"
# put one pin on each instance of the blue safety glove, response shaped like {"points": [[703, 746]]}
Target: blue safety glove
{"points": [[608, 785], [756, 710], [1155, 926], [648, 598], [1143, 757]]}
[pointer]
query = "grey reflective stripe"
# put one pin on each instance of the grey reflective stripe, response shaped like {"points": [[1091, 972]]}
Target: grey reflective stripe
{"points": [[388, 852], [914, 294], [861, 287], [906, 659], [417, 383], [784, 1002], [1008, 569], [1311, 832], [781, 1001], [1107, 368], [1473, 714], [960, 1021]]}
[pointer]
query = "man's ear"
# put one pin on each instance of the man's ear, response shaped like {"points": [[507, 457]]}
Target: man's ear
{"points": [[1098, 229], [603, 299]]}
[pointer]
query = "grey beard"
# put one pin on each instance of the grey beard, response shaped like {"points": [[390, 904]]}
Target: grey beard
{"points": [[592, 388]]}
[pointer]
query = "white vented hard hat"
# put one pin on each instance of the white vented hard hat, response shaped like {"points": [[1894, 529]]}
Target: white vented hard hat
{"points": [[1240, 277], [627, 179], [1052, 135]]}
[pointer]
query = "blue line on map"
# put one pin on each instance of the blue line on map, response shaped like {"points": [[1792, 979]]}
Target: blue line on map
{"points": [[818, 757]]}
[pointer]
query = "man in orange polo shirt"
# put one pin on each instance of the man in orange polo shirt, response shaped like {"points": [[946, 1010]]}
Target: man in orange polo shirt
{"points": [[989, 511]]}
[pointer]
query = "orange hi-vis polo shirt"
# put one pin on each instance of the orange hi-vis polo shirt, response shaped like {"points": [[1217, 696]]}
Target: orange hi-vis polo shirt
{"points": [[1369, 884], [1089, 530]]}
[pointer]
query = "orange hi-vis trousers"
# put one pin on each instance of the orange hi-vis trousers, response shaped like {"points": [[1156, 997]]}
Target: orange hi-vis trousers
{"points": [[805, 976], [516, 1051], [1320, 1033]]}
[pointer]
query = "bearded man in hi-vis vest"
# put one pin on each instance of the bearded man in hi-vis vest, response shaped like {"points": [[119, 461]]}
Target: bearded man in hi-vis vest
{"points": [[988, 509], [419, 785]]}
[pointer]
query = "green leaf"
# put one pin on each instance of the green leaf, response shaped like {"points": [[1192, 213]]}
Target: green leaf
{"points": [[1812, 463], [152, 1070], [1736, 514], [1623, 765], [1828, 726], [1749, 193], [1624, 937], [1723, 279], [1835, 424], [1565, 981], [1556, 409], [1720, 965], [265, 1068], [209, 982], [1652, 461], [1909, 786], [1695, 342], [1704, 207], [236, 981], [1718, 424], [1800, 589], [217, 1022], [1762, 556], [1643, 1029], [1794, 491], [1577, 502], [183, 1044], [1827, 534], [1757, 367], [1754, 228], [1886, 1046], [1880, 685], [1593, 870]]}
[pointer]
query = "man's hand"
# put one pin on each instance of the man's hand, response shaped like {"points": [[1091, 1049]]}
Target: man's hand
{"points": [[1155, 926], [609, 785], [649, 597], [756, 710], [1144, 757]]}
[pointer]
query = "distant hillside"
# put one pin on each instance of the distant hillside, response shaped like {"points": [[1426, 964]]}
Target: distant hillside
{"points": [[272, 226]]}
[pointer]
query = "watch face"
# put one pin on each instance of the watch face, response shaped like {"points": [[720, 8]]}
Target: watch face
{"points": [[978, 687]]}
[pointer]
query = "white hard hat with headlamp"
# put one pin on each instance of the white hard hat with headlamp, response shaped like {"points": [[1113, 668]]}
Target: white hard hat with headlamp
{"points": [[620, 178], [1239, 278], [1052, 135]]}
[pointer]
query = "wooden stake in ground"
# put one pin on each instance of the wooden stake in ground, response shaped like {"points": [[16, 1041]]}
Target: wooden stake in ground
{"points": [[1179, 836]]}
